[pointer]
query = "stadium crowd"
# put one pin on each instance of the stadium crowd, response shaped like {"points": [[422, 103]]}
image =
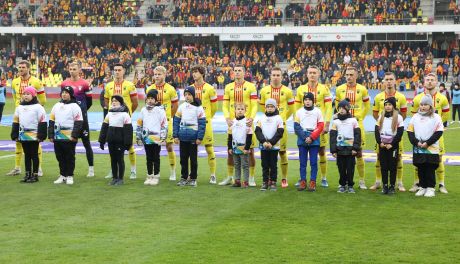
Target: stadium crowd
{"points": [[218, 13], [366, 12], [409, 62], [99, 13]]}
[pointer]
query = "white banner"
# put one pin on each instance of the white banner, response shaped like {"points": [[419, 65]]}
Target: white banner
{"points": [[247, 37], [341, 37]]}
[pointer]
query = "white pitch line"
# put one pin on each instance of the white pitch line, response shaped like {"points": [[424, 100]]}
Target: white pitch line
{"points": [[7, 156]]}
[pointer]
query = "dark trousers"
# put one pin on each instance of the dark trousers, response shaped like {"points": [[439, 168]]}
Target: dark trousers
{"points": [[152, 152], [455, 110], [31, 155], [1, 110], [188, 150], [85, 139], [346, 166], [388, 164], [426, 174], [65, 154], [117, 161], [269, 165]]}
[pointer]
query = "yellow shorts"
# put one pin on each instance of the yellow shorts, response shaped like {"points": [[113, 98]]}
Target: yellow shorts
{"points": [[324, 140], [169, 138], [208, 134]]}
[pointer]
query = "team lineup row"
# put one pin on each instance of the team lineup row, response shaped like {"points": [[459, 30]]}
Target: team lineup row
{"points": [[202, 96]]}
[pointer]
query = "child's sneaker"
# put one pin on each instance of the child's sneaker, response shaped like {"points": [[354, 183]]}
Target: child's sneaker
{"points": [[60, 180], [284, 183], [351, 190], [252, 181], [302, 186], [341, 189], [324, 183], [148, 180], [273, 186], [430, 192], [391, 190], [421, 192], [155, 180], [362, 185], [384, 189], [182, 182], [119, 182], [69, 180], [113, 181], [312, 187], [192, 183], [245, 184], [40, 172], [264, 186], [237, 183]]}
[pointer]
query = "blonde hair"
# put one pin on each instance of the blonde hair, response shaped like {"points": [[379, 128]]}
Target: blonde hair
{"points": [[75, 63], [160, 69]]}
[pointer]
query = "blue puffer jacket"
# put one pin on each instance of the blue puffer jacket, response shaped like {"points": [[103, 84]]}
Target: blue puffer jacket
{"points": [[302, 135], [191, 131]]}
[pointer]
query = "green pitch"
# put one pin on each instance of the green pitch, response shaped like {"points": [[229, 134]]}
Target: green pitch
{"points": [[95, 223]]}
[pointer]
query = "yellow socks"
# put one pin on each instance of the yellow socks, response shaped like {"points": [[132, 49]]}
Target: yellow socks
{"points": [[440, 173], [399, 170], [360, 167], [211, 159], [378, 172], [132, 156], [172, 160], [18, 158], [230, 170], [323, 166], [284, 164]]}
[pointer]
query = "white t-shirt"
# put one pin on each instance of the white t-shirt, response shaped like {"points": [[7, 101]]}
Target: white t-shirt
{"points": [[308, 120], [345, 131], [386, 132], [64, 116], [424, 127], [189, 115], [269, 125], [28, 117], [154, 124]]}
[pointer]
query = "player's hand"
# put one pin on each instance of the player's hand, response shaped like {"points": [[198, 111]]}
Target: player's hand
{"points": [[198, 142], [353, 152], [325, 129], [176, 141], [229, 122], [334, 155], [230, 152], [388, 146], [249, 122], [308, 140], [424, 145], [382, 145]]}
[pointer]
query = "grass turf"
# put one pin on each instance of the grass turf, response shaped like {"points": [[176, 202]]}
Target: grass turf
{"points": [[95, 223]]}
